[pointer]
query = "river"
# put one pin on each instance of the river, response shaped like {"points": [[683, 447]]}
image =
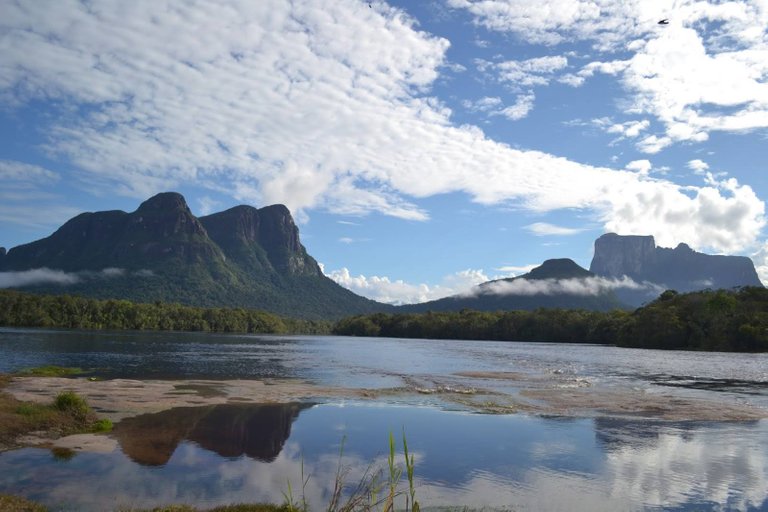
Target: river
{"points": [[594, 427]]}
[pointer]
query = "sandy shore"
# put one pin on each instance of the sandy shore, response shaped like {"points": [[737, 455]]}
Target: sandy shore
{"points": [[483, 392], [488, 392]]}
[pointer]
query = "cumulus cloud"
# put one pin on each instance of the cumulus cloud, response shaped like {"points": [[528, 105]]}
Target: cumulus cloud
{"points": [[760, 259], [697, 166], [397, 291], [520, 109], [326, 104], [640, 166], [628, 129], [546, 229]]}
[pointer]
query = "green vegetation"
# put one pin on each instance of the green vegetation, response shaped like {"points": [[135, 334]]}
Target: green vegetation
{"points": [[19, 309], [706, 320], [16, 504], [68, 414], [49, 371]]}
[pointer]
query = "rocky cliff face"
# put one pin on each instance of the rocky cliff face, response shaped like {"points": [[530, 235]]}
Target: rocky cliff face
{"points": [[681, 268], [617, 256], [261, 237]]}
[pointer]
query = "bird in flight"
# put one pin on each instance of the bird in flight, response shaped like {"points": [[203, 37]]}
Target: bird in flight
{"points": [[665, 21]]}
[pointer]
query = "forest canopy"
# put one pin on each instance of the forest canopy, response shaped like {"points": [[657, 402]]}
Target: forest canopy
{"points": [[706, 320]]}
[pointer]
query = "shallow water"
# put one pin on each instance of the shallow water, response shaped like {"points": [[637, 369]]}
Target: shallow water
{"points": [[223, 454], [499, 461], [379, 362]]}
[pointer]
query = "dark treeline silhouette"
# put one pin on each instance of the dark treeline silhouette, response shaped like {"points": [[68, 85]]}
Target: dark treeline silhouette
{"points": [[18, 309], [706, 320]]}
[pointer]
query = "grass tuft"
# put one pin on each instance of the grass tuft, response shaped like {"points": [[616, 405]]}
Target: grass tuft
{"points": [[72, 403], [16, 504], [49, 371]]}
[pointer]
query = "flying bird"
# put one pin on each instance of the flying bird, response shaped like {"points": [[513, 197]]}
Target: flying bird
{"points": [[665, 21]]}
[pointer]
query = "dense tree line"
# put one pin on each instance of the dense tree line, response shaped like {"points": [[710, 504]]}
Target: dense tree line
{"points": [[706, 320], [18, 309]]}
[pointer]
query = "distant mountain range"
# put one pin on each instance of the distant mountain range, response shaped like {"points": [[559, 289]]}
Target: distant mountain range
{"points": [[681, 269], [253, 258], [557, 283], [242, 257]]}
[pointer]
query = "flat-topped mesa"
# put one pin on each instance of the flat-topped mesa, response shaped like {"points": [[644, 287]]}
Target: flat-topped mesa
{"points": [[681, 268], [617, 255]]}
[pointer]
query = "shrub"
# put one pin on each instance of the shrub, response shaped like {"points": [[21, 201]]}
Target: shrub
{"points": [[72, 403]]}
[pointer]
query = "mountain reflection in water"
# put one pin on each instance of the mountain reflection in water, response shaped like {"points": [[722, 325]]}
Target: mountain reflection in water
{"points": [[489, 462], [230, 430]]}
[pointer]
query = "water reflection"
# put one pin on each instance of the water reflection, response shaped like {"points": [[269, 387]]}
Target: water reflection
{"points": [[230, 430], [498, 462]]}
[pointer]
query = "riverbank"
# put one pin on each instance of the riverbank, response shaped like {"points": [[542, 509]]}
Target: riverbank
{"points": [[479, 392]]}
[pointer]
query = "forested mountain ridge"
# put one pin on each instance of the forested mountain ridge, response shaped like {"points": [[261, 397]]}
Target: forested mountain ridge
{"points": [[556, 283], [242, 257], [715, 320]]}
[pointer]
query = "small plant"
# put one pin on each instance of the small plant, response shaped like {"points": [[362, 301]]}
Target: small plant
{"points": [[364, 497], [102, 425], [409, 469], [72, 403]]}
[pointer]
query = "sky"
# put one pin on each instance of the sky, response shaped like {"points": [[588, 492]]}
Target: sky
{"points": [[423, 147]]}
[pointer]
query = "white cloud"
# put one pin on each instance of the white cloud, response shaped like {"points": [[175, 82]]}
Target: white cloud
{"points": [[578, 286], [208, 205], [545, 229], [520, 109], [642, 167], [554, 21], [629, 129], [326, 104], [760, 259], [20, 173], [515, 270], [482, 105], [724, 215], [703, 72], [697, 166], [44, 275], [36, 276], [397, 291], [528, 73]]}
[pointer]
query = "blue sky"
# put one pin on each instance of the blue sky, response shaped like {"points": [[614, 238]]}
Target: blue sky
{"points": [[422, 146]]}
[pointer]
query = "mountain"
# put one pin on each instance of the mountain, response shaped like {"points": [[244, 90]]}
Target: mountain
{"points": [[242, 257], [681, 268], [557, 283]]}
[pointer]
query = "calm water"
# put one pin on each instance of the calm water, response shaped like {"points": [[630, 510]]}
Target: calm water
{"points": [[228, 454]]}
